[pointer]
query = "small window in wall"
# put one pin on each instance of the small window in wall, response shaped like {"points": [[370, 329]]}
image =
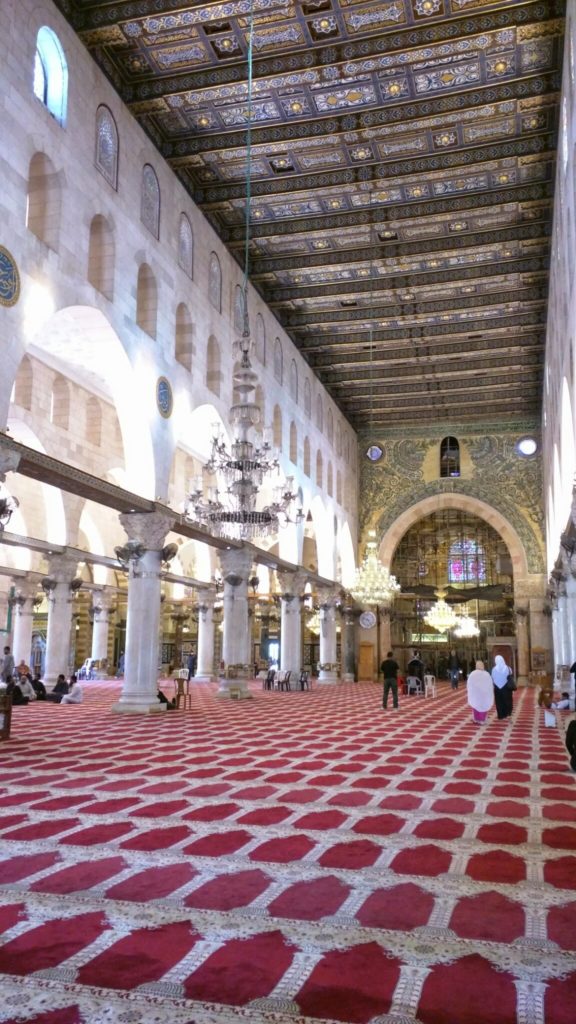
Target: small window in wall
{"points": [[307, 398], [213, 374], [306, 463], [294, 381], [60, 403], [293, 443], [260, 340], [44, 201], [106, 159], [146, 300], [50, 81], [278, 361], [185, 246], [215, 282], [101, 256], [449, 457], [277, 428], [319, 413], [319, 469], [150, 200]]}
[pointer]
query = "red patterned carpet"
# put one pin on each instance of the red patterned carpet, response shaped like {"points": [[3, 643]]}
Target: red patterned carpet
{"points": [[301, 855]]}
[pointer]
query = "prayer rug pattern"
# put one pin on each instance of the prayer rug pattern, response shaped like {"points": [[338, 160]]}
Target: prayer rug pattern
{"points": [[297, 856]]}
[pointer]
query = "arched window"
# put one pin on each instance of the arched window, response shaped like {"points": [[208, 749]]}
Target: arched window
{"points": [[146, 300], [466, 562], [319, 469], [306, 463], [50, 81], [293, 444], [449, 457], [184, 344], [307, 398], [319, 413], [213, 374], [338, 438], [277, 428], [106, 158], [185, 246], [329, 480], [260, 340], [23, 385], [150, 200], [330, 426], [215, 282], [60, 403], [238, 310], [294, 381], [94, 421], [260, 402], [339, 487], [101, 256], [44, 199], [278, 361]]}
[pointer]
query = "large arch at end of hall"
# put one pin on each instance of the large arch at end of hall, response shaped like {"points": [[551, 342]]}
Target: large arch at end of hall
{"points": [[463, 502]]}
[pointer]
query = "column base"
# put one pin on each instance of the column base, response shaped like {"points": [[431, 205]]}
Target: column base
{"points": [[348, 677], [233, 689], [328, 676], [129, 707]]}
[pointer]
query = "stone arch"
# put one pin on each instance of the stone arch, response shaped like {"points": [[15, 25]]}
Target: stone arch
{"points": [[101, 256], [150, 200], [184, 344], [106, 156], [213, 371], [185, 246], [146, 300], [319, 469], [277, 427], [44, 201], [476, 507], [24, 384], [293, 443], [215, 282], [306, 461]]}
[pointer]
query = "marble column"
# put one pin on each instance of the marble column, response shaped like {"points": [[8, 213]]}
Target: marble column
{"points": [[541, 628], [62, 570], [563, 640], [102, 603], [522, 648], [205, 667], [146, 532], [291, 586], [571, 619], [328, 666], [348, 644], [385, 632], [23, 619], [236, 564]]}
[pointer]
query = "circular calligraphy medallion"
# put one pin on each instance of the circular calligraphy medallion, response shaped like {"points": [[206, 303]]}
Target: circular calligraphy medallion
{"points": [[367, 620], [164, 399], [9, 279]]}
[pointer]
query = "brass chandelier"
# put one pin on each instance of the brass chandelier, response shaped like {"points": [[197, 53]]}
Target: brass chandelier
{"points": [[373, 584]]}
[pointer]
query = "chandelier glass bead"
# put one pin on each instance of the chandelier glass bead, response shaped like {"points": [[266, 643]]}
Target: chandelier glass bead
{"points": [[373, 583], [467, 627]]}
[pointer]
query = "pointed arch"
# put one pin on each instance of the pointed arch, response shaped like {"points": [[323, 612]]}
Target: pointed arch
{"points": [[329, 480], [277, 427], [24, 384], [215, 282], [449, 457], [293, 443], [101, 255], [184, 336], [307, 398], [260, 339], [294, 381], [319, 413], [330, 426], [150, 200], [186, 246], [60, 403], [306, 461], [146, 300], [213, 371], [43, 205], [106, 155], [278, 361], [319, 469]]}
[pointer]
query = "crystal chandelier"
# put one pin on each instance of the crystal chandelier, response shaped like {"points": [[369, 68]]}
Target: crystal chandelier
{"points": [[466, 627], [229, 505], [441, 617], [373, 583]]}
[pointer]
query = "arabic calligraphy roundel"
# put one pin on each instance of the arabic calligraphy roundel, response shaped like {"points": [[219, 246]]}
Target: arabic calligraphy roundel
{"points": [[9, 279]]}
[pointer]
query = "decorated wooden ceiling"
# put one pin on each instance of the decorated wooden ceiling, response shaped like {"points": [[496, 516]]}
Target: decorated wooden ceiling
{"points": [[402, 172]]}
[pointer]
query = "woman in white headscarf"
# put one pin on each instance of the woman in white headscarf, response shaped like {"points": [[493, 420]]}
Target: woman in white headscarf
{"points": [[480, 693], [502, 692]]}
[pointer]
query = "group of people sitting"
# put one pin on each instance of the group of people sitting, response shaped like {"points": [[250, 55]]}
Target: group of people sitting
{"points": [[26, 688]]}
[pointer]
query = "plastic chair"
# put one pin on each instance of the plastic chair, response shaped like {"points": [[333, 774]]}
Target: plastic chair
{"points": [[182, 695], [304, 681], [429, 686], [414, 686]]}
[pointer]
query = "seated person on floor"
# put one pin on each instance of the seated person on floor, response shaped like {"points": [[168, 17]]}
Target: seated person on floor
{"points": [[25, 684], [12, 688], [563, 704], [39, 687], [59, 690], [75, 695], [545, 696]]}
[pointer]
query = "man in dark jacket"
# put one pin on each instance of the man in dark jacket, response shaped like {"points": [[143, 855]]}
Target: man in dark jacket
{"points": [[389, 669], [571, 743]]}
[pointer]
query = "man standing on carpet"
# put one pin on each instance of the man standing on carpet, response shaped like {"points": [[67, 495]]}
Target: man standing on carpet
{"points": [[390, 669], [7, 670], [192, 662]]}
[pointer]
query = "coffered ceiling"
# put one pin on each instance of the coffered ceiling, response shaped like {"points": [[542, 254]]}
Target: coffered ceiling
{"points": [[402, 176]]}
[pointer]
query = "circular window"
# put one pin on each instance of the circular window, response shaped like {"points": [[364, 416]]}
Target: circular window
{"points": [[374, 452], [527, 446]]}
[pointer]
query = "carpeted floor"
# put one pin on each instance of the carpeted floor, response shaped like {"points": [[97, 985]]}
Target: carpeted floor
{"points": [[300, 855]]}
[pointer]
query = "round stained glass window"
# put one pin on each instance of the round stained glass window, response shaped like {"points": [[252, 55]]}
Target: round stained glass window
{"points": [[527, 446]]}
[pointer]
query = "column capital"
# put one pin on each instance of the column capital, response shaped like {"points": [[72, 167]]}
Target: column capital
{"points": [[235, 562], [148, 529], [329, 596], [63, 566], [9, 462]]}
